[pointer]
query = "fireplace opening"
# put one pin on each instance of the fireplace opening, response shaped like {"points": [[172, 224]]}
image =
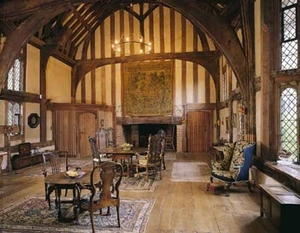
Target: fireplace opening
{"points": [[146, 129], [138, 134]]}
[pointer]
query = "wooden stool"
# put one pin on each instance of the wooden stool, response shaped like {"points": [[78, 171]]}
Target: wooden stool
{"points": [[216, 188]]}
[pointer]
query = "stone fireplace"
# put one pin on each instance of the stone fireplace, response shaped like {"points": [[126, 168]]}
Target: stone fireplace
{"points": [[137, 134], [135, 130]]}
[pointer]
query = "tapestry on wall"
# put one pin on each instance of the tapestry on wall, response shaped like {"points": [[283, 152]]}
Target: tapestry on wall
{"points": [[147, 88]]}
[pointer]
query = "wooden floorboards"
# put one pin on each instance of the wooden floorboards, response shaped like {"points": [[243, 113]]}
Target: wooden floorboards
{"points": [[180, 207]]}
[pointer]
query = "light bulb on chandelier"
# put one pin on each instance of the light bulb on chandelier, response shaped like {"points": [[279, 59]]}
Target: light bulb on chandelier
{"points": [[131, 44]]}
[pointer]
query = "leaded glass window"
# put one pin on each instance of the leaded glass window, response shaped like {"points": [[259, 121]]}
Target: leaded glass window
{"points": [[289, 40], [15, 81], [15, 76], [288, 121]]}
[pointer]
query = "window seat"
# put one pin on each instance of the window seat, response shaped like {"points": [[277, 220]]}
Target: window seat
{"points": [[284, 172]]}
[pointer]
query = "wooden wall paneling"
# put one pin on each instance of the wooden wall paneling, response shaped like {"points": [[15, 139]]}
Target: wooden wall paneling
{"points": [[207, 87], [172, 30], [195, 83], [161, 29], [93, 72]]}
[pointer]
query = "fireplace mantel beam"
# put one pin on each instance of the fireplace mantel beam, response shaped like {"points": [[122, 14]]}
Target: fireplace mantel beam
{"points": [[128, 120]]}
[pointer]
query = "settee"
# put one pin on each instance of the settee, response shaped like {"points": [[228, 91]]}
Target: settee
{"points": [[234, 167]]}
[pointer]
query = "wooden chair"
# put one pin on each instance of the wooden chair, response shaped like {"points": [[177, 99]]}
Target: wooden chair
{"points": [[95, 151], [56, 161], [111, 137], [153, 157], [170, 134], [103, 194], [162, 134]]}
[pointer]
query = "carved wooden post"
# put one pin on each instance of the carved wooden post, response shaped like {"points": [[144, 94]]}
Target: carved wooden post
{"points": [[7, 130]]}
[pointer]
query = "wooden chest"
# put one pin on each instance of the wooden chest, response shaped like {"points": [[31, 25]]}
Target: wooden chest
{"points": [[281, 205]]}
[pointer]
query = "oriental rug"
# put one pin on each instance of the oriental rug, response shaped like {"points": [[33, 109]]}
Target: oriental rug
{"points": [[137, 184], [190, 172], [31, 214]]}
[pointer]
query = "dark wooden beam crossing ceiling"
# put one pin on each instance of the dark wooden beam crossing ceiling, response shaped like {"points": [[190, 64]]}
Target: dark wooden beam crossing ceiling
{"points": [[74, 21], [81, 17]]}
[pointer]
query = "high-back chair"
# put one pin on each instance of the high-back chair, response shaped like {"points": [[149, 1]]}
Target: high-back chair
{"points": [[153, 157], [161, 133], [103, 194], [95, 151], [170, 136], [54, 164]]}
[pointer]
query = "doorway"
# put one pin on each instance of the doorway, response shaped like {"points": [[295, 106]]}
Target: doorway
{"points": [[199, 131], [87, 127]]}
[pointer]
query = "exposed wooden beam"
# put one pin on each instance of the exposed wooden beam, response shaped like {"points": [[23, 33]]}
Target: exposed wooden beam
{"points": [[20, 36], [18, 96], [17, 9], [220, 32]]}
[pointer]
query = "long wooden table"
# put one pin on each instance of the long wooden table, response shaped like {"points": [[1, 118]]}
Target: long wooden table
{"points": [[126, 156]]}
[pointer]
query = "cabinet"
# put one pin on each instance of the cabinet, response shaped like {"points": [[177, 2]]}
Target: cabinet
{"points": [[281, 205]]}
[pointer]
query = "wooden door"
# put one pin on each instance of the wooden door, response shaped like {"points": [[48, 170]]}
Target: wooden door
{"points": [[64, 131], [199, 131], [87, 127]]}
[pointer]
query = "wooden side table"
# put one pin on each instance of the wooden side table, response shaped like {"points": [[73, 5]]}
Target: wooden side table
{"points": [[281, 205]]}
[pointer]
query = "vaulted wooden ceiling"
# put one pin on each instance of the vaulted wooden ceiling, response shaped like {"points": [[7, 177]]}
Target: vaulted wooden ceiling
{"points": [[62, 25], [79, 19]]}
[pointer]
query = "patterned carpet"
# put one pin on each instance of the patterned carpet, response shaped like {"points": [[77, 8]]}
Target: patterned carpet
{"points": [[32, 215], [190, 172], [137, 184]]}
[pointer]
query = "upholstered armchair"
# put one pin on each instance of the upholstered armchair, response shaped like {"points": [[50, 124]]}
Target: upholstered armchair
{"points": [[235, 165]]}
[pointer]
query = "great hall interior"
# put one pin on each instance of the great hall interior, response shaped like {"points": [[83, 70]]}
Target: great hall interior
{"points": [[203, 74]]}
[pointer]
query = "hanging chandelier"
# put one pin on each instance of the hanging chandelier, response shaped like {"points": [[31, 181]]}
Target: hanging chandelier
{"points": [[131, 44]]}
